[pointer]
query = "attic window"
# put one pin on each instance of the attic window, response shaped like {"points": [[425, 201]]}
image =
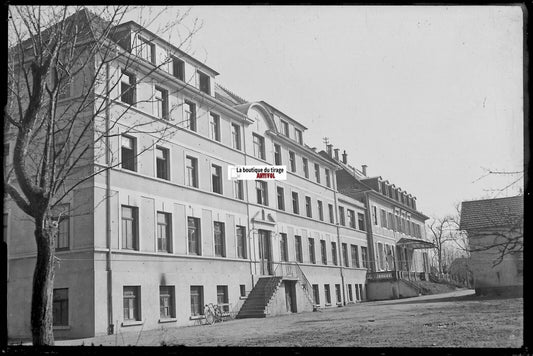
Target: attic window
{"points": [[299, 137], [145, 49], [178, 68], [284, 128], [205, 85]]}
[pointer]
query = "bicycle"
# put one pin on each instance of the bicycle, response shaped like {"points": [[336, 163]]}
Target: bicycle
{"points": [[212, 313]]}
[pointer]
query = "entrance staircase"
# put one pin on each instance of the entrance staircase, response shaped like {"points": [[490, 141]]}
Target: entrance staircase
{"points": [[257, 301]]}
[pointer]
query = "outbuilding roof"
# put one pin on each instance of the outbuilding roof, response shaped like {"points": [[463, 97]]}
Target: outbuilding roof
{"points": [[490, 213]]}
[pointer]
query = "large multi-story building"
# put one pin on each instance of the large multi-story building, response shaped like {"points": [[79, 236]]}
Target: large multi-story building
{"points": [[163, 231]]}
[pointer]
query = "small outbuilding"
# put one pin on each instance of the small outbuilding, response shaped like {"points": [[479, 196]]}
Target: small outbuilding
{"points": [[495, 237]]}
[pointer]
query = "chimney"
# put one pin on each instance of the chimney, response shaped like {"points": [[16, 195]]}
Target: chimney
{"points": [[344, 157], [329, 148], [336, 154], [364, 169]]}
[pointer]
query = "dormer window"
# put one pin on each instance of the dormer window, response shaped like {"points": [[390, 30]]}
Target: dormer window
{"points": [[299, 137], [284, 128], [178, 68], [204, 82], [145, 49]]}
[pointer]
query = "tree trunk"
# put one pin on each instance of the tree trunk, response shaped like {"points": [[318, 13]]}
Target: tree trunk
{"points": [[43, 285]]}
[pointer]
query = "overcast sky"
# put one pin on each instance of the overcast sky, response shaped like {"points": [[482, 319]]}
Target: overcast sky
{"points": [[426, 96]]}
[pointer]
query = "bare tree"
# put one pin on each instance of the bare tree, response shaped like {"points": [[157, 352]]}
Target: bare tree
{"points": [[442, 233], [502, 233], [61, 86]]}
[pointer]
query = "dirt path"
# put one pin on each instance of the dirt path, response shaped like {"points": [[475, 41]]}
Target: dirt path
{"points": [[456, 319]]}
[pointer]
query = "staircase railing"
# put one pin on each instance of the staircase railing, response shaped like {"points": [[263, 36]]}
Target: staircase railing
{"points": [[292, 269]]}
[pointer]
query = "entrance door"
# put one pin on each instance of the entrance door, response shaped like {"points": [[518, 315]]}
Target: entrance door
{"points": [[426, 261], [290, 296], [265, 252]]}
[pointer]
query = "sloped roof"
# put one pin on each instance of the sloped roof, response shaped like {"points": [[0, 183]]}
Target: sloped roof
{"points": [[490, 213], [228, 96]]}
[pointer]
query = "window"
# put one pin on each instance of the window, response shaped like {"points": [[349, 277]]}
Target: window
{"points": [[364, 256], [205, 83], [214, 126], [320, 210], [59, 77], [334, 253], [299, 138], [298, 248], [283, 248], [220, 243], [261, 192], [323, 252], [192, 171], [236, 136], [129, 228], [390, 221], [327, 293], [197, 300], [128, 152], [312, 257], [60, 307], [375, 215], [338, 293], [398, 223], [308, 209], [345, 255], [178, 68], [281, 198], [316, 294], [162, 162], [239, 189], [381, 256], [259, 146], [131, 301], [127, 88], [277, 154], [292, 161], [190, 115], [284, 128], [166, 302], [193, 235], [342, 220], [242, 288], [351, 218], [357, 292], [317, 173], [350, 292], [63, 232], [241, 242], [163, 232], [161, 103], [222, 298], [145, 49], [384, 218], [361, 221], [331, 217], [305, 164], [328, 178], [355, 256], [295, 203], [216, 175]]}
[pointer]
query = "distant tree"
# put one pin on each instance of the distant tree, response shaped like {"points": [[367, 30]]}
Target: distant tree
{"points": [[52, 50]]}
